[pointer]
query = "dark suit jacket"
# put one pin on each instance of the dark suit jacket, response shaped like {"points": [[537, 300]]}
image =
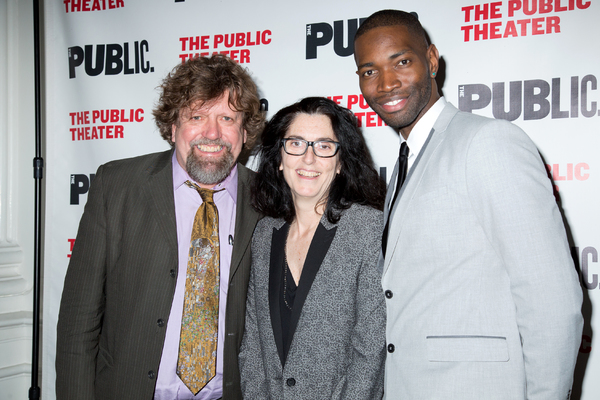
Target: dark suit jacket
{"points": [[121, 280]]}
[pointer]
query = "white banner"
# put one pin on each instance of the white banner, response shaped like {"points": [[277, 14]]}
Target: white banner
{"points": [[528, 61]]}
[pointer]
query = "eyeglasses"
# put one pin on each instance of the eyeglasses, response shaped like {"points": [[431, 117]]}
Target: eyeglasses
{"points": [[321, 148]]}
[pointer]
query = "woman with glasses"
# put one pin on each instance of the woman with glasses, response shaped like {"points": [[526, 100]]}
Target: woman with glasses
{"points": [[315, 317]]}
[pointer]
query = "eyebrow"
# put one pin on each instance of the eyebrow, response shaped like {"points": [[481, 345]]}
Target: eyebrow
{"points": [[322, 139], [392, 57]]}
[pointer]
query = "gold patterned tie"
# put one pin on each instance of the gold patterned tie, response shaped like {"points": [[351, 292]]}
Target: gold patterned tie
{"points": [[196, 363]]}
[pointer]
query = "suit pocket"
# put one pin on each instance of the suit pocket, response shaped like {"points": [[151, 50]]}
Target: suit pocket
{"points": [[467, 348]]}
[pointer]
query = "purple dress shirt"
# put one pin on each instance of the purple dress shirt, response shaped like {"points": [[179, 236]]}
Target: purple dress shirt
{"points": [[187, 201]]}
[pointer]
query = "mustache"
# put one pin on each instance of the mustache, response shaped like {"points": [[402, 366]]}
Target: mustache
{"points": [[216, 142]]}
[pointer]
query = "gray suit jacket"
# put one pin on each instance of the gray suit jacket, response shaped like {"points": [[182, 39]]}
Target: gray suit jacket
{"points": [[121, 280], [485, 298], [337, 350]]}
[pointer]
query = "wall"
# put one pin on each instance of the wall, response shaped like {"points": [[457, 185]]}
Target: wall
{"points": [[16, 196]]}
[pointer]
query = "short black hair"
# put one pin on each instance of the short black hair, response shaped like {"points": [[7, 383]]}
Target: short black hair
{"points": [[393, 18], [357, 182]]}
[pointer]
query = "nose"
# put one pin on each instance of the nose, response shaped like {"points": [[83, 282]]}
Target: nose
{"points": [[388, 81], [309, 156], [212, 129]]}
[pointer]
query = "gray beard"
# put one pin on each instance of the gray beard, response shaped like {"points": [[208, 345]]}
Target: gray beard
{"points": [[209, 172]]}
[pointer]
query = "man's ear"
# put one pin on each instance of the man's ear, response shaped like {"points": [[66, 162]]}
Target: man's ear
{"points": [[173, 130], [433, 58]]}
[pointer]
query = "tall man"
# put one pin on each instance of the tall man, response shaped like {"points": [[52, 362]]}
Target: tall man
{"points": [[483, 301], [144, 283]]}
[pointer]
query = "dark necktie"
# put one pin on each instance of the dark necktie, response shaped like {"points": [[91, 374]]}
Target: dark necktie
{"points": [[196, 363], [402, 168]]}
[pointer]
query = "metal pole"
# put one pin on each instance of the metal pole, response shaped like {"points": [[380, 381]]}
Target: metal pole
{"points": [[38, 169]]}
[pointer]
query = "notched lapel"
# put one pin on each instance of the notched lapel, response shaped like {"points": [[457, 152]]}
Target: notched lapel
{"points": [[317, 251], [159, 192], [275, 270], [390, 189], [314, 259], [414, 178], [245, 221]]}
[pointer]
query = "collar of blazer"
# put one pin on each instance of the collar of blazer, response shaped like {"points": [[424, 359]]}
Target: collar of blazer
{"points": [[414, 177], [245, 219], [317, 251], [158, 189]]}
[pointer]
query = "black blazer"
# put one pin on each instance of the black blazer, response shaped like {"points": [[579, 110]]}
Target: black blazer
{"points": [[121, 279]]}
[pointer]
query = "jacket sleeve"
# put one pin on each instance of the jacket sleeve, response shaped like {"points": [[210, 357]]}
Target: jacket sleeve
{"points": [[365, 372], [252, 372], [83, 302], [508, 185]]}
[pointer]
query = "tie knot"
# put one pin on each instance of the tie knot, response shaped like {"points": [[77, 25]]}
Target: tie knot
{"points": [[404, 150], [206, 194]]}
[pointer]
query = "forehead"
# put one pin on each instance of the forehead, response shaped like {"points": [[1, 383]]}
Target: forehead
{"points": [[218, 105], [311, 126], [385, 41]]}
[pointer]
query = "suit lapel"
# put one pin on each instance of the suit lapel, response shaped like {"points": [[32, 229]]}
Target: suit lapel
{"points": [[390, 190], [314, 259], [275, 273], [159, 192], [317, 251], [414, 177], [245, 220]]}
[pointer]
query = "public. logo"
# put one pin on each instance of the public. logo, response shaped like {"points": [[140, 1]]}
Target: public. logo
{"points": [[110, 59], [532, 99]]}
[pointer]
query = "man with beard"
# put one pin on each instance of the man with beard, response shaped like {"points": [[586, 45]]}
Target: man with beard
{"points": [[483, 301], [154, 297]]}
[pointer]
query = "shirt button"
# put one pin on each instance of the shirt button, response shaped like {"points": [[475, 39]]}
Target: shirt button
{"points": [[389, 294], [160, 323], [391, 348], [291, 382], [151, 375], [172, 273]]}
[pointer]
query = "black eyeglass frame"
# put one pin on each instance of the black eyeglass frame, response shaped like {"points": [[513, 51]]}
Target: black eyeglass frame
{"points": [[310, 144]]}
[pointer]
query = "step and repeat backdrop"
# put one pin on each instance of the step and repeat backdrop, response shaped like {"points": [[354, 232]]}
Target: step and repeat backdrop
{"points": [[533, 62]]}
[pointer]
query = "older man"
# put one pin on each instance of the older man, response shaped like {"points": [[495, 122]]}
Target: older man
{"points": [[483, 301], [154, 297]]}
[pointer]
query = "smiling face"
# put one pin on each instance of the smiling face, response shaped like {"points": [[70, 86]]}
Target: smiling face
{"points": [[395, 75], [208, 140], [308, 176]]}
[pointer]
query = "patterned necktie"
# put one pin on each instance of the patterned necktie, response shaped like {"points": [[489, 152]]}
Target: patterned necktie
{"points": [[196, 364], [402, 168]]}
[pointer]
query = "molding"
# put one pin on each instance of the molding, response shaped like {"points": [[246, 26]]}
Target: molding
{"points": [[12, 280], [15, 327], [15, 371], [16, 319]]}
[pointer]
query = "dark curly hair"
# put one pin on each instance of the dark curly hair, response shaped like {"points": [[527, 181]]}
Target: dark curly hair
{"points": [[357, 182], [205, 79]]}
